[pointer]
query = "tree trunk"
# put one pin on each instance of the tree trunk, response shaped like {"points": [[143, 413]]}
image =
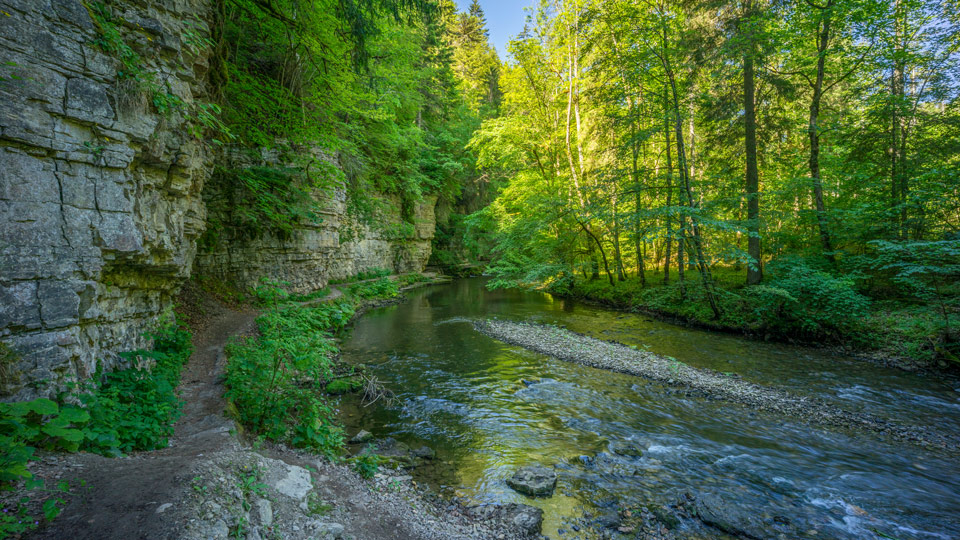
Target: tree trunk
{"points": [[897, 83], [754, 270], [705, 275], [681, 271], [823, 39], [669, 243]]}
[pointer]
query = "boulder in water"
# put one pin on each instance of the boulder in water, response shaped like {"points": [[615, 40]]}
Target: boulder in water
{"points": [[533, 480], [361, 437], [732, 519], [425, 452], [626, 448]]}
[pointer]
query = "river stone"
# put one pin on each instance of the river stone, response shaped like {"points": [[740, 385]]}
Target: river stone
{"points": [[289, 480], [608, 519], [395, 453], [327, 530], [523, 518], [626, 448], [264, 512], [731, 518], [425, 452], [361, 437], [533, 480]]}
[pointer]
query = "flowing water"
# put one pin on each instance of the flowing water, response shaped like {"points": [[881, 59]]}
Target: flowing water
{"points": [[488, 408]]}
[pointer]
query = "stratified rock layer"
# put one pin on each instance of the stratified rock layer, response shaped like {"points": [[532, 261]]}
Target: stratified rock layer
{"points": [[335, 246], [100, 199], [103, 199]]}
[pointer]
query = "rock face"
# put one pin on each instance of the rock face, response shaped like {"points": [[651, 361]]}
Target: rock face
{"points": [[100, 196], [533, 480], [335, 247]]}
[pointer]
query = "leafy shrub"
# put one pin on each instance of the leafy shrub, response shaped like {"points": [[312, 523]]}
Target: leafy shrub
{"points": [[275, 381], [312, 295], [409, 279], [343, 386], [132, 409], [372, 273], [366, 463], [135, 409], [382, 288], [801, 299], [38, 424]]}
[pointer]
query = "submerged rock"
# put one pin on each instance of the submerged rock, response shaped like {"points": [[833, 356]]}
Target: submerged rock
{"points": [[361, 437], [395, 453], [626, 448], [608, 519], [425, 452], [533, 480], [730, 518]]}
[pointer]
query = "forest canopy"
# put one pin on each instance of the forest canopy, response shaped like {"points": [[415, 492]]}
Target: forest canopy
{"points": [[666, 154]]}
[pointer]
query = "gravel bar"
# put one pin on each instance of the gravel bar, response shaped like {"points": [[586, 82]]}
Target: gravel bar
{"points": [[574, 347]]}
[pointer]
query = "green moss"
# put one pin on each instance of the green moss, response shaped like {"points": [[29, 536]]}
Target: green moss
{"points": [[9, 372], [343, 386]]}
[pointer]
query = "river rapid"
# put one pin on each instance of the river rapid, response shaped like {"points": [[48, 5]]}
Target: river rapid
{"points": [[488, 408]]}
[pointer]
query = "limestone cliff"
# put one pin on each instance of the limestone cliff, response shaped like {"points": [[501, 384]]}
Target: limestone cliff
{"points": [[102, 195], [99, 194], [334, 246]]}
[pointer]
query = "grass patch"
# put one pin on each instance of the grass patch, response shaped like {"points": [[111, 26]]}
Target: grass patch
{"points": [[312, 295], [381, 288], [409, 279]]}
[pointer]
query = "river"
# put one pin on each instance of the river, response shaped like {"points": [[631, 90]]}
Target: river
{"points": [[488, 408]]}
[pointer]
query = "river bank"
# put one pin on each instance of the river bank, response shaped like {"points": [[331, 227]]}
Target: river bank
{"points": [[625, 448], [890, 334]]}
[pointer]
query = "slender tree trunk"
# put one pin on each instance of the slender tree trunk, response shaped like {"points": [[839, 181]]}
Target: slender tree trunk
{"points": [[669, 243], [897, 82], [754, 270], [681, 271], [696, 237], [823, 40]]}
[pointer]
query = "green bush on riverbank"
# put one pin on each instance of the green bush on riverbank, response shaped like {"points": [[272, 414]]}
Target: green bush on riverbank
{"points": [[277, 380]]}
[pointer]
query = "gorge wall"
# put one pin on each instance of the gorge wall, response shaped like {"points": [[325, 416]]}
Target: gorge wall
{"points": [[334, 246], [99, 195], [313, 254], [102, 197]]}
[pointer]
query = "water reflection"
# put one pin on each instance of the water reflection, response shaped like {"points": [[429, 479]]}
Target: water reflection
{"points": [[487, 408]]}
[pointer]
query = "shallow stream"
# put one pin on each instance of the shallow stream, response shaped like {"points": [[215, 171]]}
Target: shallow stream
{"points": [[488, 408]]}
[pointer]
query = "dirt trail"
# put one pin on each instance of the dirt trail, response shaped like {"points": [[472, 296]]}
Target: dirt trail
{"points": [[121, 496]]}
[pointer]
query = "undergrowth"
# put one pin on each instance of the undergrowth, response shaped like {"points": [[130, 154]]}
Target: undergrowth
{"points": [[277, 382], [113, 414], [796, 301]]}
